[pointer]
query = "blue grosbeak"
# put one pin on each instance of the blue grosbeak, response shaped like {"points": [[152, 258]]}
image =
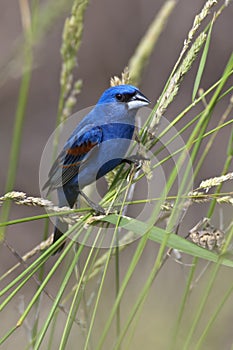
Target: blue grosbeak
{"points": [[97, 145]]}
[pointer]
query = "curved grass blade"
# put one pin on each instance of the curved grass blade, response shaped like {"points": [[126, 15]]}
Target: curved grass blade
{"points": [[175, 241], [202, 63]]}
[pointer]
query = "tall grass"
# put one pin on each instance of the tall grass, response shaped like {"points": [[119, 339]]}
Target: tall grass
{"points": [[74, 317]]}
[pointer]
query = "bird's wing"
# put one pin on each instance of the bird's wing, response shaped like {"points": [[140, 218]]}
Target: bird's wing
{"points": [[72, 156]]}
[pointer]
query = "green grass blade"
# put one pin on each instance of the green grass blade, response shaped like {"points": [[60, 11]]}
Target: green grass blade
{"points": [[157, 234], [8, 334], [202, 304], [77, 298], [183, 303], [213, 318], [123, 287], [17, 134], [202, 63], [59, 294]]}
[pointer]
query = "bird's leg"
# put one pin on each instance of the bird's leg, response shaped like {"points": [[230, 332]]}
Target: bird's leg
{"points": [[96, 207], [135, 159]]}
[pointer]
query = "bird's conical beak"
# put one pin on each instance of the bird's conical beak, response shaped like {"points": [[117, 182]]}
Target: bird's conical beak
{"points": [[137, 101]]}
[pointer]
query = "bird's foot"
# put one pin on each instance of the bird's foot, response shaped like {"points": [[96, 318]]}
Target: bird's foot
{"points": [[135, 159], [96, 207]]}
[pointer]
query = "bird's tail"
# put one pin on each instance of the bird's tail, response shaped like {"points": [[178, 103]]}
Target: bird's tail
{"points": [[59, 230], [67, 196]]}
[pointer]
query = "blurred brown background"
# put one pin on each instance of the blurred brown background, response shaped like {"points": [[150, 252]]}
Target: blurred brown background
{"points": [[112, 30]]}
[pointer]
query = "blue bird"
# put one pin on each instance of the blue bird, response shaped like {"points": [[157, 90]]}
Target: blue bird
{"points": [[97, 145]]}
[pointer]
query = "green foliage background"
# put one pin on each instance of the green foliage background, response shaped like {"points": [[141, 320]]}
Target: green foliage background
{"points": [[136, 296]]}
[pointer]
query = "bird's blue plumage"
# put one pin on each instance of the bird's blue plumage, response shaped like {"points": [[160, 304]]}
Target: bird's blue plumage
{"points": [[97, 145]]}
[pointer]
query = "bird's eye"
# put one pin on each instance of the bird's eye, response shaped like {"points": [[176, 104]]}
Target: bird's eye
{"points": [[120, 97]]}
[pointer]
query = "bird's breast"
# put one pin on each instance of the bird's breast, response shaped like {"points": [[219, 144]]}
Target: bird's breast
{"points": [[117, 131], [108, 154]]}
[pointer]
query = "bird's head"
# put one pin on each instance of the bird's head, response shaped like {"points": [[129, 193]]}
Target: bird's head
{"points": [[127, 95]]}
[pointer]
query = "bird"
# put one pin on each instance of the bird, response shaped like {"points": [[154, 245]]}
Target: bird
{"points": [[97, 145]]}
